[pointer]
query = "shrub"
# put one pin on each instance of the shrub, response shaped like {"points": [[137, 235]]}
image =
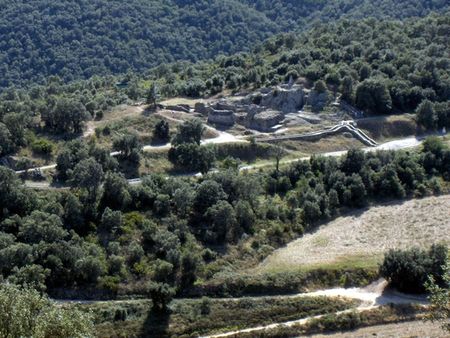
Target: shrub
{"points": [[193, 157], [161, 131], [408, 270], [42, 146], [26, 313]]}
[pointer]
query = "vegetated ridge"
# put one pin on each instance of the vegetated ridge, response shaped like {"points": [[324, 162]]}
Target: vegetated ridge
{"points": [[84, 38]]}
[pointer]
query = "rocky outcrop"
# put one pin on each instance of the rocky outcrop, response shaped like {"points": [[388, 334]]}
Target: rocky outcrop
{"points": [[221, 117], [202, 108], [180, 107], [265, 120], [224, 105], [260, 111], [317, 100], [287, 100]]}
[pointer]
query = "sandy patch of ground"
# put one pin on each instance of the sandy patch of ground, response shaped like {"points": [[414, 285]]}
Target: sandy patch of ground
{"points": [[399, 330], [367, 234], [183, 100]]}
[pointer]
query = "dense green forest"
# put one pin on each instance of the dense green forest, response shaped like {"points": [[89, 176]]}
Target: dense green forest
{"points": [[80, 39], [55, 109], [160, 237], [96, 236], [379, 66]]}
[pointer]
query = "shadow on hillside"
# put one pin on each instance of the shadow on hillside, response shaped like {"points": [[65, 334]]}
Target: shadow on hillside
{"points": [[156, 325], [129, 168]]}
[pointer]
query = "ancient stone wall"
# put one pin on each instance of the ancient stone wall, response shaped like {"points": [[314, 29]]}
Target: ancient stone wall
{"points": [[221, 117]]}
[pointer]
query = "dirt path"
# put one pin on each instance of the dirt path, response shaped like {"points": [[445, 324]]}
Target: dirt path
{"points": [[372, 296], [405, 143], [43, 168], [90, 129], [224, 137]]}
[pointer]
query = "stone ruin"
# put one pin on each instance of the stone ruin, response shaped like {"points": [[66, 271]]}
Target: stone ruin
{"points": [[265, 120], [286, 100], [202, 108], [222, 117], [219, 114], [179, 107], [263, 110]]}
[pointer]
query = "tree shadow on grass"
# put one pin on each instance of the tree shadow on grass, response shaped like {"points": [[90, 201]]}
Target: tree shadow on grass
{"points": [[129, 168], [156, 325]]}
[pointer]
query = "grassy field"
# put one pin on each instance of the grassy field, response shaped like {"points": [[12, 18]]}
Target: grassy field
{"points": [[182, 100], [399, 330], [388, 127], [155, 162], [346, 323], [191, 318], [141, 124], [360, 238], [326, 144]]}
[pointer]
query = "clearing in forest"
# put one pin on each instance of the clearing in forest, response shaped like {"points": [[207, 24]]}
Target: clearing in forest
{"points": [[361, 238]]}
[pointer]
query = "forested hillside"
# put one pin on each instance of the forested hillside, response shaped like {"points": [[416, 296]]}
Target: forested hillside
{"points": [[84, 38], [381, 66]]}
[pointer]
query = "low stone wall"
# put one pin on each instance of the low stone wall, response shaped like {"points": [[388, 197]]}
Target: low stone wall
{"points": [[202, 108], [182, 108], [221, 117]]}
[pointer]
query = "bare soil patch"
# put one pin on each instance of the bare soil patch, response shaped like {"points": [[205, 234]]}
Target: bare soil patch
{"points": [[364, 236]]}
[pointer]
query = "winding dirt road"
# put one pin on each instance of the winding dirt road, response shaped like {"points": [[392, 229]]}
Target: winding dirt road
{"points": [[375, 295], [372, 296], [223, 137], [406, 143]]}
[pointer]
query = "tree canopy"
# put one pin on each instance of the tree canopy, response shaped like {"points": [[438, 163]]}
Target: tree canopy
{"points": [[26, 313], [80, 39]]}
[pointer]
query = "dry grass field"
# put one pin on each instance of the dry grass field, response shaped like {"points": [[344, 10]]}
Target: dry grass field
{"points": [[399, 330], [326, 144], [389, 127], [182, 100], [361, 238]]}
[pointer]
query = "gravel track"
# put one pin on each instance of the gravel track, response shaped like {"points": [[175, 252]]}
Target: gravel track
{"points": [[372, 296]]}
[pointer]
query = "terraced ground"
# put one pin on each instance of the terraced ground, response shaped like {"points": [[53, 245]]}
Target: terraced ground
{"points": [[361, 238]]}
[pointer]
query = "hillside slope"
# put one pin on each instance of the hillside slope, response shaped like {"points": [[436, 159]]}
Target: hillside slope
{"points": [[380, 66], [84, 38], [367, 235]]}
